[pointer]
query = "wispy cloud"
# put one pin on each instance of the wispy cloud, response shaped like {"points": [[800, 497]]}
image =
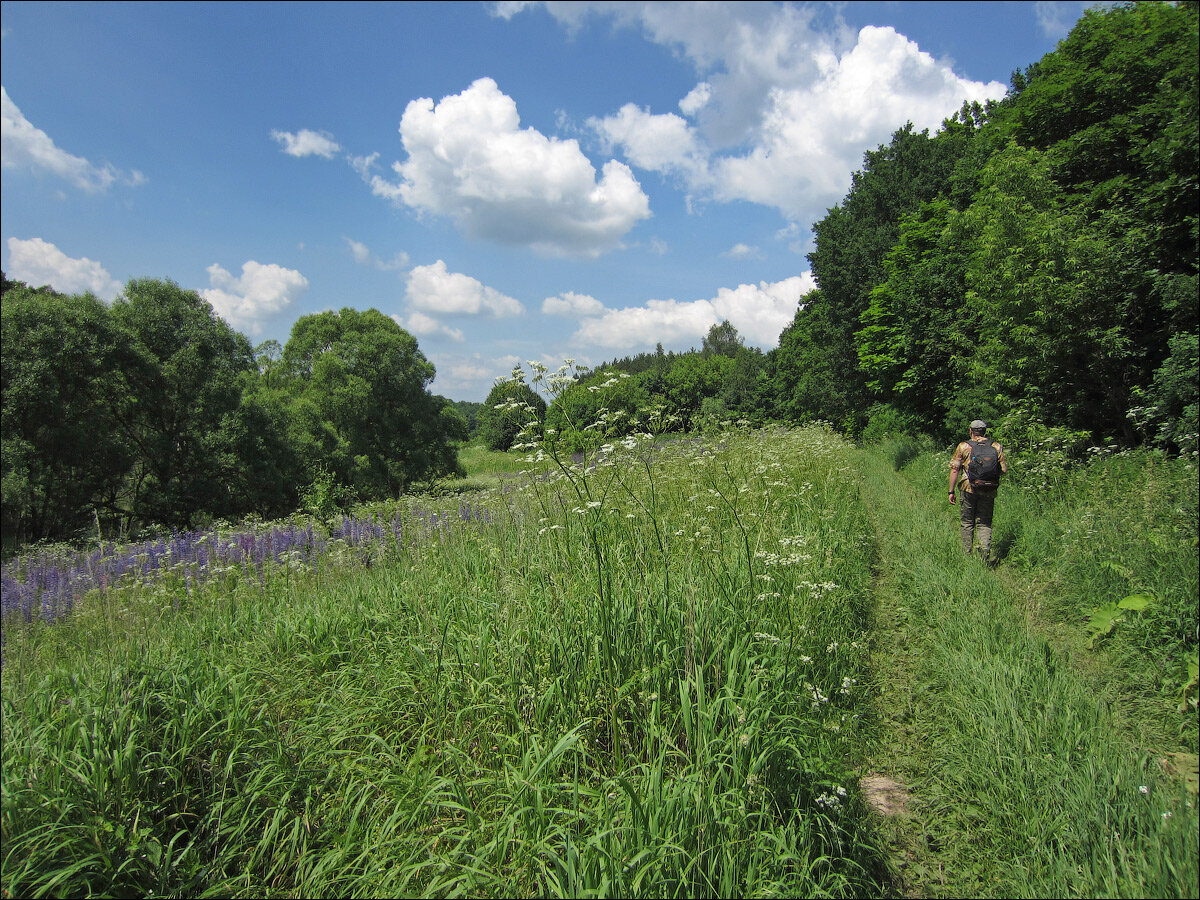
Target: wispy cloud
{"points": [[427, 326], [307, 143], [22, 145], [1055, 19], [743, 251], [364, 257]]}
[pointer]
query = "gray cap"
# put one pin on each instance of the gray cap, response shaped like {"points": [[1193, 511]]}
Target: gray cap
{"points": [[979, 425]]}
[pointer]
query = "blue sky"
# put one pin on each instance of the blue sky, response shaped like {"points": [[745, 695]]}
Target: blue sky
{"points": [[509, 181]]}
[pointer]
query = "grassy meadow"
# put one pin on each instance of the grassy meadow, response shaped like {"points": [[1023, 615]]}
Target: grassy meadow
{"points": [[660, 669]]}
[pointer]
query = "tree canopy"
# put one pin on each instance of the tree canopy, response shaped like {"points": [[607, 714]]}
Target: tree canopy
{"points": [[1039, 253], [154, 411]]}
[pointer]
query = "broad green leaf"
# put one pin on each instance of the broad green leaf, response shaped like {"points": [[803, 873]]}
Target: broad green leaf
{"points": [[1136, 601]]}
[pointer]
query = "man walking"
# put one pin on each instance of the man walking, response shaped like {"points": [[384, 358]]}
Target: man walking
{"points": [[975, 469]]}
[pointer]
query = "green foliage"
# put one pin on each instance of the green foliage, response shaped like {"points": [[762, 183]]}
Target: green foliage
{"points": [[819, 360], [1041, 251], [723, 380], [586, 413], [1115, 106], [722, 340], [184, 379], [1050, 297], [325, 497], [512, 407], [471, 412], [692, 379], [1169, 410], [887, 423], [1103, 619], [63, 397], [1038, 454], [805, 383], [361, 407], [918, 333], [154, 412]]}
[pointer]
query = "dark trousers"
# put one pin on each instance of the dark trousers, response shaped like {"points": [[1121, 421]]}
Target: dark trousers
{"points": [[976, 508]]}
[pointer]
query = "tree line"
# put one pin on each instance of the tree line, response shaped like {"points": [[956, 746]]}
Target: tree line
{"points": [[1039, 253], [1032, 262], [153, 411]]}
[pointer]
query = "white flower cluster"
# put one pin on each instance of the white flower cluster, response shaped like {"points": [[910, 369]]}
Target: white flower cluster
{"points": [[775, 559], [817, 591], [818, 697], [832, 799]]}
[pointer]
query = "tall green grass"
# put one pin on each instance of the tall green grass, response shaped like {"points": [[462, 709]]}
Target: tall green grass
{"points": [[1121, 525], [642, 676], [1025, 783]]}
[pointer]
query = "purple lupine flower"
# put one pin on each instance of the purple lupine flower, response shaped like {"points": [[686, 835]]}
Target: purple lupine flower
{"points": [[51, 583]]}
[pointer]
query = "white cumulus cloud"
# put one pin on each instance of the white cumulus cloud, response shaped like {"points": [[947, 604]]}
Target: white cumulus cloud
{"points": [[433, 289], [661, 143], [469, 160], [786, 105], [261, 292], [812, 136], [469, 376], [307, 143], [696, 99], [426, 326], [570, 303], [37, 263], [22, 145], [759, 312]]}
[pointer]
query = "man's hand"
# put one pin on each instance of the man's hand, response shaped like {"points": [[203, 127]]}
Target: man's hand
{"points": [[953, 499]]}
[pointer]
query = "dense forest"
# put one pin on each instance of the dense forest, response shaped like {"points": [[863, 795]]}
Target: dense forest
{"points": [[1033, 263]]}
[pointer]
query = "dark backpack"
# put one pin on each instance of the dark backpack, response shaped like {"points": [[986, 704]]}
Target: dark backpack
{"points": [[984, 468]]}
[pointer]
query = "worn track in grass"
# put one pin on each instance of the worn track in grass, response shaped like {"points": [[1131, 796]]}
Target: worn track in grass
{"points": [[984, 728]]}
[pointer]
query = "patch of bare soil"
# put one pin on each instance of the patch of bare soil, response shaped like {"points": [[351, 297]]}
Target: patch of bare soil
{"points": [[884, 795]]}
